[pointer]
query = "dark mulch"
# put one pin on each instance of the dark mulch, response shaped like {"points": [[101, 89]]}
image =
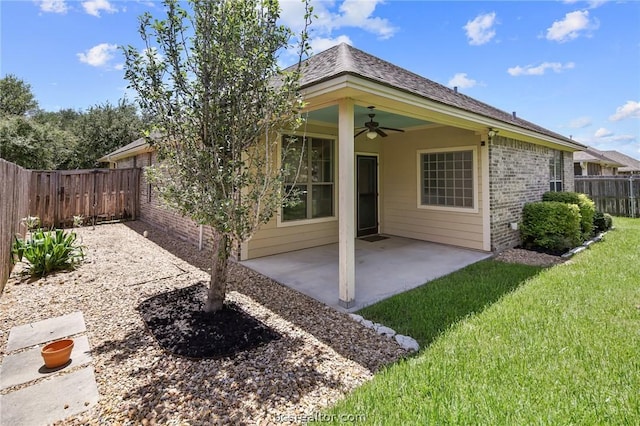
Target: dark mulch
{"points": [[181, 327]]}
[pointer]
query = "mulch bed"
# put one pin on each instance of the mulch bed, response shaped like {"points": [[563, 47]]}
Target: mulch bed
{"points": [[178, 322]]}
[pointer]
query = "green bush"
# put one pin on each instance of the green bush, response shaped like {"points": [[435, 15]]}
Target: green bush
{"points": [[48, 251], [602, 221], [585, 204], [551, 225]]}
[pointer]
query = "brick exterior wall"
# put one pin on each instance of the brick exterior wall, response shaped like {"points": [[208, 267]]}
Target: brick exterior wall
{"points": [[154, 212], [518, 174]]}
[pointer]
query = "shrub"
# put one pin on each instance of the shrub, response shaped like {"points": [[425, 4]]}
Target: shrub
{"points": [[584, 203], [48, 251], [602, 221], [550, 225]]}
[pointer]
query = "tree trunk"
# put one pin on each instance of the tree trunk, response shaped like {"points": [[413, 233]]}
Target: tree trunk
{"points": [[218, 284]]}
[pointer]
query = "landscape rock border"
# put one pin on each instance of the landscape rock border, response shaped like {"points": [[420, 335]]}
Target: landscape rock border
{"points": [[408, 343], [584, 246]]}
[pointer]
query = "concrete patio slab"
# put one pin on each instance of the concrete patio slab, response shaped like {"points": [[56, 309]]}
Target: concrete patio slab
{"points": [[27, 335], [26, 366], [52, 400], [383, 268]]}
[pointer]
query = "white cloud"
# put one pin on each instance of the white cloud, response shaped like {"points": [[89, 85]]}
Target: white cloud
{"points": [[592, 3], [480, 29], [580, 122], [623, 138], [357, 14], [331, 16], [319, 44], [462, 81], [629, 110], [98, 56], [540, 69], [53, 6], [571, 26], [93, 7], [602, 133]]}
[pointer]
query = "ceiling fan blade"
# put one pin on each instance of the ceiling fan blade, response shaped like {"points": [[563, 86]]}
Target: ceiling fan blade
{"points": [[360, 132], [380, 132], [391, 128]]}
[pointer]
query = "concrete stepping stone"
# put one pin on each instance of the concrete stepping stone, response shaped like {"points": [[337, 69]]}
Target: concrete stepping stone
{"points": [[26, 366], [49, 401], [24, 336]]}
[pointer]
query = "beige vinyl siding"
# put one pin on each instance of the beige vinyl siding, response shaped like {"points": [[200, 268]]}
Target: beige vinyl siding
{"points": [[272, 238], [402, 216]]}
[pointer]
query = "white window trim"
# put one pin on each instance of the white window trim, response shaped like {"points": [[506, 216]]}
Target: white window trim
{"points": [[556, 171], [280, 223], [473, 209]]}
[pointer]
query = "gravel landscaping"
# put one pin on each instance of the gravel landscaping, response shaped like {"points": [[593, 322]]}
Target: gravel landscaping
{"points": [[320, 356], [529, 257]]}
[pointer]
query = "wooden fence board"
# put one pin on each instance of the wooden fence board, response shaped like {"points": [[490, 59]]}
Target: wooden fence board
{"points": [[100, 194], [616, 195], [14, 205]]}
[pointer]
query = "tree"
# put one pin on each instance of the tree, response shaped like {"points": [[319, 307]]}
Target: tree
{"points": [[16, 97], [104, 128], [210, 77], [34, 145]]}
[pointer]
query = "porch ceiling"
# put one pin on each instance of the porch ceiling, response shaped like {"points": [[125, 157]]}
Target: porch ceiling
{"points": [[329, 115]]}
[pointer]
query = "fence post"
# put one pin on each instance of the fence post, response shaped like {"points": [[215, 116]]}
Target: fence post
{"points": [[632, 204]]}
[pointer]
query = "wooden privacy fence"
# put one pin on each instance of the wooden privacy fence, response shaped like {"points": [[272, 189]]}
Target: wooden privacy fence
{"points": [[97, 195], [14, 205], [616, 195]]}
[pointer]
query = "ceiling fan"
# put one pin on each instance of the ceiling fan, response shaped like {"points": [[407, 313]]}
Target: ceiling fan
{"points": [[373, 128]]}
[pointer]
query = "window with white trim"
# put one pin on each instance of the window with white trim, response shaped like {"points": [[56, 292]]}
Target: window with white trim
{"points": [[447, 178], [556, 169], [311, 159]]}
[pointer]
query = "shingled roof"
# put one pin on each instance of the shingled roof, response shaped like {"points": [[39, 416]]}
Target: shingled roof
{"points": [[122, 152], [631, 164], [344, 59], [594, 156]]}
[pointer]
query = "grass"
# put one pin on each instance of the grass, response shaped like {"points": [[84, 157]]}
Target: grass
{"points": [[425, 312], [557, 346]]}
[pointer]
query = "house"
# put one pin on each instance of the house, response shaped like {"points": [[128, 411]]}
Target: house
{"points": [[592, 162], [394, 153], [631, 166]]}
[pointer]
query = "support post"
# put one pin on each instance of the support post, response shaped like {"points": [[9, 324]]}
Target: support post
{"points": [[346, 204]]}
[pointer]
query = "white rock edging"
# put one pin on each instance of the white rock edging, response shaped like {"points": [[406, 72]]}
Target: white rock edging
{"points": [[584, 246], [405, 342]]}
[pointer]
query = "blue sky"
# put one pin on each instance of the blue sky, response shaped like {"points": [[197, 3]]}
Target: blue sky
{"points": [[570, 66]]}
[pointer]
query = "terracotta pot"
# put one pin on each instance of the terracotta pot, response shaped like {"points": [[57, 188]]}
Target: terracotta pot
{"points": [[57, 353]]}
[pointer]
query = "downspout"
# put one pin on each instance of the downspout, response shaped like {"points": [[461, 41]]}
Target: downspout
{"points": [[200, 238]]}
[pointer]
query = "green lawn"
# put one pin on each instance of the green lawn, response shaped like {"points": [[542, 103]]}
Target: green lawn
{"points": [[554, 346]]}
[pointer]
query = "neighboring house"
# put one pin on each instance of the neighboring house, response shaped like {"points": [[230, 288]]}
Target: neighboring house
{"points": [[458, 174], [631, 166], [592, 162]]}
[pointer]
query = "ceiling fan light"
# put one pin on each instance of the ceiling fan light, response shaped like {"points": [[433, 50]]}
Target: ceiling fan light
{"points": [[371, 134]]}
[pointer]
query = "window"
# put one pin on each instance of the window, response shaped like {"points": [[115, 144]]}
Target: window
{"points": [[312, 160], [447, 178], [556, 169]]}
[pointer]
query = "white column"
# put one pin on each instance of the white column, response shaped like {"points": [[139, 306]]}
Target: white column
{"points": [[486, 194], [346, 204]]}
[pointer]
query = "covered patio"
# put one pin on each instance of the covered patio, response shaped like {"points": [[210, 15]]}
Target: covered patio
{"points": [[383, 267]]}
